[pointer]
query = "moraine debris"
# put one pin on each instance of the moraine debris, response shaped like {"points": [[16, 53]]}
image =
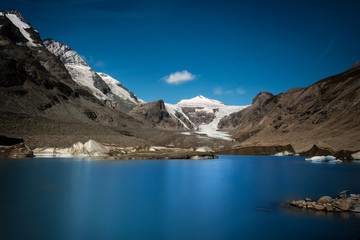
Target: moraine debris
{"points": [[344, 202]]}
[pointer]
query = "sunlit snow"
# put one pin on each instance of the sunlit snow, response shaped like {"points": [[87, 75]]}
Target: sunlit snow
{"points": [[22, 26]]}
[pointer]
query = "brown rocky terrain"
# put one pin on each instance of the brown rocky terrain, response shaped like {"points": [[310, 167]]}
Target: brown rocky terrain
{"points": [[155, 114], [257, 150], [327, 111]]}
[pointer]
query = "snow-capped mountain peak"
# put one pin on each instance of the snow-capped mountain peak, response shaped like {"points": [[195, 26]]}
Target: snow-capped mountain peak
{"points": [[206, 114], [64, 52], [16, 18], [200, 101], [101, 85]]}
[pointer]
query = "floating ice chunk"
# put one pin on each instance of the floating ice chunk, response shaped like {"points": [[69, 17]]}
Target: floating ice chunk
{"points": [[329, 158], [284, 153]]}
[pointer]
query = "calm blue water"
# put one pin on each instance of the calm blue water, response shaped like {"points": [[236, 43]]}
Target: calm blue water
{"points": [[233, 197]]}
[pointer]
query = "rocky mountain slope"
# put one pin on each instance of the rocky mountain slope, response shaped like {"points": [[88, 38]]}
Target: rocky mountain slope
{"points": [[38, 95], [101, 85], [327, 111]]}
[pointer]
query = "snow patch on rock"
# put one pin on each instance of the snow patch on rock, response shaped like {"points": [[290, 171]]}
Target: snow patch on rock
{"points": [[174, 109], [22, 26], [117, 89]]}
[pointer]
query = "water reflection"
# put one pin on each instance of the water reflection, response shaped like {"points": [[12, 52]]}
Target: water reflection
{"points": [[233, 197]]}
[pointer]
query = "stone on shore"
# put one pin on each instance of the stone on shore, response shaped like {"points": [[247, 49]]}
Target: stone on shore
{"points": [[319, 207], [325, 199]]}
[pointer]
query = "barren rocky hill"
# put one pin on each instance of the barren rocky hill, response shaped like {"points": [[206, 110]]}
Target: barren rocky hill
{"points": [[327, 111]]}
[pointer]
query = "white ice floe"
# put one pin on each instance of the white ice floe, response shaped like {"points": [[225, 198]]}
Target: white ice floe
{"points": [[330, 159], [284, 153]]}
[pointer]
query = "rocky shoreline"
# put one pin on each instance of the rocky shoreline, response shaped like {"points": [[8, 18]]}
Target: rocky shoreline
{"points": [[16, 148], [344, 202], [317, 150], [95, 150]]}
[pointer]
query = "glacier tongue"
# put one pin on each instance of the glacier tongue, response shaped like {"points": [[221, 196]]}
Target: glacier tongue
{"points": [[211, 129]]}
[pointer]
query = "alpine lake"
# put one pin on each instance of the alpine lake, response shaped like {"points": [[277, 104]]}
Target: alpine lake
{"points": [[232, 197]]}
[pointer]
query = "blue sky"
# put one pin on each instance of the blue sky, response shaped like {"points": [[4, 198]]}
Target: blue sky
{"points": [[225, 50]]}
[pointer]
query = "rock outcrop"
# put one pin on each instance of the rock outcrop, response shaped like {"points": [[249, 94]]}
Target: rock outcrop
{"points": [[155, 114], [14, 148]]}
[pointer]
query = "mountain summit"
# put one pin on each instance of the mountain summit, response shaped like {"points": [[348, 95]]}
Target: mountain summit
{"points": [[27, 35], [200, 101], [101, 85]]}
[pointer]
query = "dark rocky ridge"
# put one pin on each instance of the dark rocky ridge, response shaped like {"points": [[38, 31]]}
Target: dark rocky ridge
{"points": [[155, 115], [326, 111]]}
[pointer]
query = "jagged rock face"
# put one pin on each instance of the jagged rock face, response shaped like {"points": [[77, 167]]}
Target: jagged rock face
{"points": [[156, 115], [102, 86], [78, 68], [326, 111]]}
